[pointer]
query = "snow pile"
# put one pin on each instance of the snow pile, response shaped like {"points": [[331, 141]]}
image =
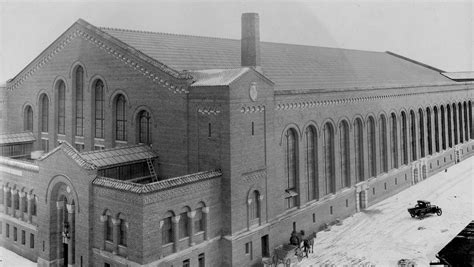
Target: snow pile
{"points": [[9, 258], [385, 233]]}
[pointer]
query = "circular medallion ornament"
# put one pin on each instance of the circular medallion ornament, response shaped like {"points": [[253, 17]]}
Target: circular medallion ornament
{"points": [[253, 91]]}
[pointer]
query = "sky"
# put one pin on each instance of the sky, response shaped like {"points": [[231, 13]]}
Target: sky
{"points": [[437, 33]]}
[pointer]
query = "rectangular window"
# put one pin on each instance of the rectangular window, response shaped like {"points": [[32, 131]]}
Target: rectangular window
{"points": [[248, 249], [108, 229], [7, 231], [106, 264], [314, 217], [32, 241], [201, 260], [198, 223], [209, 134], [186, 263], [79, 101], [99, 110], [61, 108], [1, 228], [99, 147], [183, 225], [80, 147], [330, 209], [33, 206], [15, 234], [253, 128], [23, 237]]}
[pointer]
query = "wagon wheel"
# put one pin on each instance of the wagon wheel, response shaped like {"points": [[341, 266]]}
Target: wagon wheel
{"points": [[412, 214], [288, 263], [439, 212]]}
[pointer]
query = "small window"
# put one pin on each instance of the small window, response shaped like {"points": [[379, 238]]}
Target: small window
{"points": [[396, 180], [438, 162], [294, 226], [209, 134], [248, 249], [373, 190], [201, 260], [186, 263], [405, 176], [32, 241], [106, 264], [23, 237], [7, 231], [15, 234], [347, 203], [444, 159], [1, 228], [330, 210], [314, 217], [253, 128], [79, 147], [385, 185]]}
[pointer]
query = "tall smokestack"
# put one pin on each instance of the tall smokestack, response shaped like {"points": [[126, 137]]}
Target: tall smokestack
{"points": [[250, 43]]}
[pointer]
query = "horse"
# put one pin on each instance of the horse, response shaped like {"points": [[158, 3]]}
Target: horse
{"points": [[308, 244]]}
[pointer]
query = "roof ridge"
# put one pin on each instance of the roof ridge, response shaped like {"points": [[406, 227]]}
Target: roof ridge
{"points": [[166, 33], [110, 149]]}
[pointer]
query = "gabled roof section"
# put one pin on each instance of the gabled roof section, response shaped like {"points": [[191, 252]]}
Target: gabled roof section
{"points": [[289, 66], [156, 186], [221, 77], [462, 76], [118, 155], [14, 138], [72, 153]]}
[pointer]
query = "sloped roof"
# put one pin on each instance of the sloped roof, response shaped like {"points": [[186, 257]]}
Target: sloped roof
{"points": [[12, 138], [289, 66], [156, 186], [216, 77], [118, 155], [69, 150], [460, 76]]}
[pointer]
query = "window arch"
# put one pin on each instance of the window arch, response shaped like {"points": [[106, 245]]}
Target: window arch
{"points": [[144, 127], [328, 133], [291, 163], [61, 104], [450, 125], [99, 109], [345, 154], [371, 147], [311, 162], [404, 139], [44, 116], [394, 140], [422, 133], [121, 118], [28, 118], [79, 88], [436, 127], [413, 135], [383, 143], [359, 150]]}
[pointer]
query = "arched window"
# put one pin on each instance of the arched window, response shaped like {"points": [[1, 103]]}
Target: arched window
{"points": [[345, 154], [291, 163], [436, 126], [167, 229], [254, 206], [359, 150], [443, 128], [99, 109], [455, 125], [199, 219], [471, 127], [28, 118], [466, 123], [144, 127], [79, 87], [121, 118], [450, 125], [371, 147], [328, 133], [44, 114], [461, 128], [184, 223], [394, 140], [422, 133], [383, 143], [404, 139], [429, 132], [109, 226], [311, 162], [413, 135], [61, 88], [122, 230]]}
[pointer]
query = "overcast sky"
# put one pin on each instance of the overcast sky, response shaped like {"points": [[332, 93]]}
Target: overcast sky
{"points": [[436, 33]]}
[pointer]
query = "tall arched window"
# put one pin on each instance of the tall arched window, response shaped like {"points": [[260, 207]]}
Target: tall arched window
{"points": [[44, 114], [61, 107], [144, 127], [461, 128], [123, 229], [254, 206], [167, 229], [455, 125], [404, 139], [413, 135], [184, 223], [99, 109], [345, 154], [443, 128], [291, 161], [28, 118], [121, 118], [383, 144], [328, 132], [371, 147], [466, 122], [394, 140], [422, 133], [436, 126], [450, 125], [199, 219], [311, 162], [359, 150], [109, 226], [429, 132], [79, 87], [471, 127]]}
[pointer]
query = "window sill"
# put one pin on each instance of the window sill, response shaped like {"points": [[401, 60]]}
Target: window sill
{"points": [[168, 244], [184, 238]]}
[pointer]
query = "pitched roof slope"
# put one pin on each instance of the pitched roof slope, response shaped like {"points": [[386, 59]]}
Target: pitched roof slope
{"points": [[288, 66]]}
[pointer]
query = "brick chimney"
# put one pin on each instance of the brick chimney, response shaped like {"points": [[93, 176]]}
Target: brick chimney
{"points": [[250, 43]]}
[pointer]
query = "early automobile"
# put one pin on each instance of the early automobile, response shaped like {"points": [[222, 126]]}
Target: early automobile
{"points": [[424, 207]]}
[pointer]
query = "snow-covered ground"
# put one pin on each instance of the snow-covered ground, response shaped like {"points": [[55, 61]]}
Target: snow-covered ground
{"points": [[10, 259], [385, 233]]}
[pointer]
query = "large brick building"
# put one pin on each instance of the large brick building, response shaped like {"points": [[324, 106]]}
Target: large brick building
{"points": [[132, 148]]}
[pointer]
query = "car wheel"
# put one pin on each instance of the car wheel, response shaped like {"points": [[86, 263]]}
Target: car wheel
{"points": [[439, 212]]}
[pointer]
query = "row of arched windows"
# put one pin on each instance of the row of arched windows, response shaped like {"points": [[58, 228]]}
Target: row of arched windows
{"points": [[115, 221], [120, 110], [423, 132]]}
